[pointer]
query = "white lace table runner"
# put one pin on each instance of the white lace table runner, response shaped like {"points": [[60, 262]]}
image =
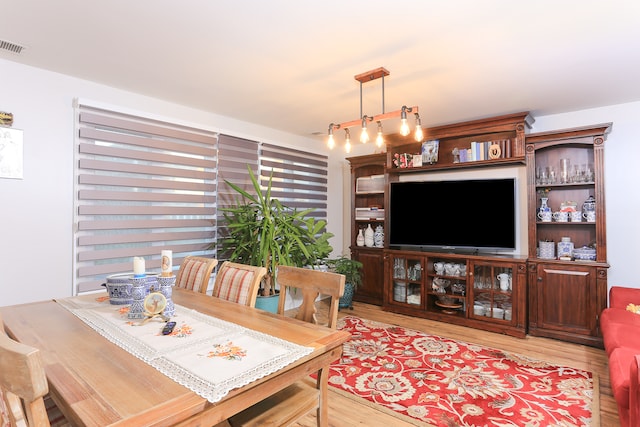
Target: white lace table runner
{"points": [[207, 355]]}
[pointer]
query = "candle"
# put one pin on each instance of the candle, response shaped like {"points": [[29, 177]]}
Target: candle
{"points": [[138, 266], [166, 266]]}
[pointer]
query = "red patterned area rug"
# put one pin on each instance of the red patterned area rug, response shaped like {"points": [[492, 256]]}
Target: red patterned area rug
{"points": [[430, 380]]}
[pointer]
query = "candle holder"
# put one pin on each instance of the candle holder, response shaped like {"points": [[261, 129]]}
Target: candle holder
{"points": [[138, 293], [151, 284], [166, 288]]}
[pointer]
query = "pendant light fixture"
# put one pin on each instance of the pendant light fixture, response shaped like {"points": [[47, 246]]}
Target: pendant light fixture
{"points": [[378, 73]]}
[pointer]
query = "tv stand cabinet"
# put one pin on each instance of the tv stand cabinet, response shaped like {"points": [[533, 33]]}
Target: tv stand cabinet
{"points": [[547, 297], [481, 291]]}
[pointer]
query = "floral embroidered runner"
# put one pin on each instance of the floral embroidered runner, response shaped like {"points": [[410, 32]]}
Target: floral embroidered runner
{"points": [[207, 355]]}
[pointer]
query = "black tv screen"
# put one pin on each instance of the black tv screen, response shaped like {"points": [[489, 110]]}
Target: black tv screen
{"points": [[466, 215]]}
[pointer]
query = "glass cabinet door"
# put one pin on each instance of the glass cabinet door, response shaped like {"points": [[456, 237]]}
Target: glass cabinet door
{"points": [[407, 280], [447, 286], [492, 292]]}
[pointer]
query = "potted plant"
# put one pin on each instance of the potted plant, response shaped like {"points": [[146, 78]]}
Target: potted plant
{"points": [[352, 271], [264, 232]]}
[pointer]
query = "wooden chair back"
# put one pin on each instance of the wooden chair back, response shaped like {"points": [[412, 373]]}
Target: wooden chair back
{"points": [[311, 284], [195, 272], [238, 283], [295, 401], [23, 383]]}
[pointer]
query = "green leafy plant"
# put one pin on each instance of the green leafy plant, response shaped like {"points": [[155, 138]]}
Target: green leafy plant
{"points": [[264, 232], [351, 269]]}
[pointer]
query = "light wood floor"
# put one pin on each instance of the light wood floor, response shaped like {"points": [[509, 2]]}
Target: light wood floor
{"points": [[345, 412]]}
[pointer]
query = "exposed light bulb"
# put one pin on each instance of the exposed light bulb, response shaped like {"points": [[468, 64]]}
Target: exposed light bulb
{"points": [[418, 135], [347, 141], [331, 142], [404, 126], [379, 139], [364, 135]]}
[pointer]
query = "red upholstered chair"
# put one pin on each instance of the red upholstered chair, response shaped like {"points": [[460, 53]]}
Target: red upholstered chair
{"points": [[634, 392], [195, 272], [238, 283]]}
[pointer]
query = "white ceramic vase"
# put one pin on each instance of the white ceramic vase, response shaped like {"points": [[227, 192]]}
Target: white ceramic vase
{"points": [[368, 236]]}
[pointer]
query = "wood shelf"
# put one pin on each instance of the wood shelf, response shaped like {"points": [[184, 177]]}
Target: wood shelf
{"points": [[566, 297], [509, 128], [478, 268], [373, 165]]}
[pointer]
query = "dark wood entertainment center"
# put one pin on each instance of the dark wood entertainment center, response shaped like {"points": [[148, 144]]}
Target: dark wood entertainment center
{"points": [[545, 297]]}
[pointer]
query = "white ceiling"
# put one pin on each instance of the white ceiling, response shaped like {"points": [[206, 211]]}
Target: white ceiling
{"points": [[289, 64]]}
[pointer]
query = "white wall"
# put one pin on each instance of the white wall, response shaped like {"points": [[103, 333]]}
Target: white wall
{"points": [[36, 214], [36, 226]]}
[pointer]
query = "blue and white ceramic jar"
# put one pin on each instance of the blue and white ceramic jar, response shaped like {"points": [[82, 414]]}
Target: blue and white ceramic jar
{"points": [[565, 248], [378, 237]]}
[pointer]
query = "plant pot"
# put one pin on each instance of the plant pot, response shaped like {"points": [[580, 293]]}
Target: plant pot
{"points": [[268, 303], [346, 300]]}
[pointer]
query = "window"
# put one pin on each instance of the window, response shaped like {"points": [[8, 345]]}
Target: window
{"points": [[142, 186], [145, 185], [299, 178]]}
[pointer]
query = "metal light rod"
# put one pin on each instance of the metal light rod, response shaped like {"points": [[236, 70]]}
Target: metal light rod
{"points": [[379, 117], [378, 73]]}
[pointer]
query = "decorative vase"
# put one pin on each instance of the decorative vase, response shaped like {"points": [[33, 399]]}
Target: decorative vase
{"points": [[547, 250], [565, 248], [166, 288], [589, 209], [544, 207], [138, 293], [346, 300], [360, 238], [368, 236], [378, 237], [544, 212]]}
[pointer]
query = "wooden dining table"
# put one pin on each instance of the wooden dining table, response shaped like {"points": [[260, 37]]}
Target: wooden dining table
{"points": [[97, 383]]}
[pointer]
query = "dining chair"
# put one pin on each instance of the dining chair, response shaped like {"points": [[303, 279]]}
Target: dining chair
{"points": [[195, 272], [238, 282], [297, 400], [24, 388]]}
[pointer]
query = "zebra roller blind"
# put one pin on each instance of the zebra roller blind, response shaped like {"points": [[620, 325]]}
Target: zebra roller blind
{"points": [[142, 186]]}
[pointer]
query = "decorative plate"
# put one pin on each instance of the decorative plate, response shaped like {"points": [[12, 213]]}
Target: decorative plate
{"points": [[154, 303]]}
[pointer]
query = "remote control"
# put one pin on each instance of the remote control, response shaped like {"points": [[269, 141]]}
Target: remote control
{"points": [[168, 328]]}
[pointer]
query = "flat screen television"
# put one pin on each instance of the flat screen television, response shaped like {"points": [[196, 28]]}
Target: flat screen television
{"points": [[476, 215]]}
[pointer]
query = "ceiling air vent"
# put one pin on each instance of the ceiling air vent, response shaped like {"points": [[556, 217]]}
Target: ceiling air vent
{"points": [[11, 47]]}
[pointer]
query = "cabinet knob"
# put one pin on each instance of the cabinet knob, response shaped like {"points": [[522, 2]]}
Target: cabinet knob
{"points": [[539, 279]]}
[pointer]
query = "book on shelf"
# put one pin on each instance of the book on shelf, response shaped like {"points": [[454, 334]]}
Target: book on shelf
{"points": [[463, 155]]}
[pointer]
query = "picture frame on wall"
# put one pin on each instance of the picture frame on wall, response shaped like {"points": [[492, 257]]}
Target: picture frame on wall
{"points": [[11, 153]]}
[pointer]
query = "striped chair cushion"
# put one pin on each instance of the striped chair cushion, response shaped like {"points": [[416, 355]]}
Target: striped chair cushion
{"points": [[193, 274], [234, 285]]}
